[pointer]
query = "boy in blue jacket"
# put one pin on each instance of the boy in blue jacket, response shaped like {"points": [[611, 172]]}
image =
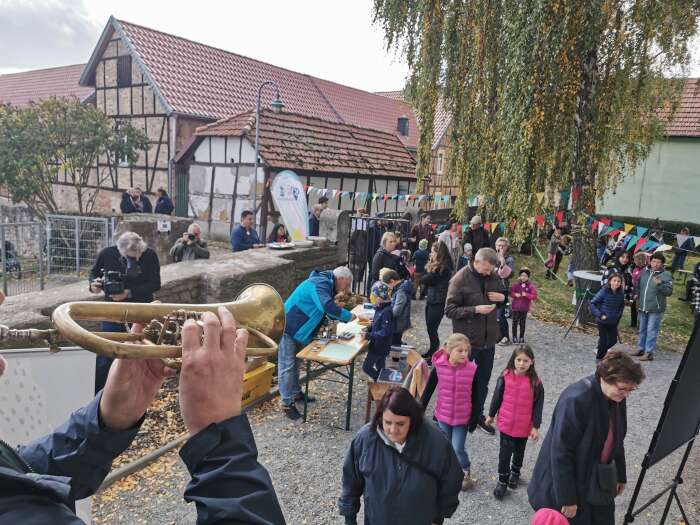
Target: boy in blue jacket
{"points": [[401, 295], [381, 332], [607, 306]]}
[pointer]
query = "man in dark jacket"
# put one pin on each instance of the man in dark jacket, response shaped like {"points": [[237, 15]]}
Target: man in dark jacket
{"points": [[164, 204], [243, 236], [139, 270], [420, 231], [190, 246], [40, 482], [587, 434], [476, 235], [472, 297]]}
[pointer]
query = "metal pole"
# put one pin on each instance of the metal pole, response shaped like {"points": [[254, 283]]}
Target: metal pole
{"points": [[41, 257], [257, 148], [3, 256], [77, 246], [48, 246]]}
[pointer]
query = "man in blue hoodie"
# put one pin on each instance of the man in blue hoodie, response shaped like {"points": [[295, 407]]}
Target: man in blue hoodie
{"points": [[305, 309], [243, 236]]}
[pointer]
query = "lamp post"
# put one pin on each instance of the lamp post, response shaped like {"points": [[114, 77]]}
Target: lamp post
{"points": [[276, 105]]}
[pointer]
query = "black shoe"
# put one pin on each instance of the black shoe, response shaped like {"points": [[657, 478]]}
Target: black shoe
{"points": [[486, 428], [513, 480], [301, 395], [500, 490], [291, 412], [638, 353]]}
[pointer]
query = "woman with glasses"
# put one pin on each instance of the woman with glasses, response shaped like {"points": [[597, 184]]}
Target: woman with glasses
{"points": [[585, 443]]}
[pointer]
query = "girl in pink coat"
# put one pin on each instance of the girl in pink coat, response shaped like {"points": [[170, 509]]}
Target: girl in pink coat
{"points": [[518, 400], [522, 293], [455, 397]]}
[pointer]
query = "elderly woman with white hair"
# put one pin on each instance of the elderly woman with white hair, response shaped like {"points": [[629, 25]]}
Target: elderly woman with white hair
{"points": [[129, 271]]}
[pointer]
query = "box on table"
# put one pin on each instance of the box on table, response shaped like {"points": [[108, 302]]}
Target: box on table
{"points": [[257, 383]]}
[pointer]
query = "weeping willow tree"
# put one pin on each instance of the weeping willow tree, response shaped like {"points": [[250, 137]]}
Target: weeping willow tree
{"points": [[545, 95]]}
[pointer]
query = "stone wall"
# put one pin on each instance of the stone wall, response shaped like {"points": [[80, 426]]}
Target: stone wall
{"points": [[146, 225], [219, 279]]}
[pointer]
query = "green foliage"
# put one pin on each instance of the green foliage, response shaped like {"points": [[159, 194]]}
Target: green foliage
{"points": [[544, 94], [60, 139]]}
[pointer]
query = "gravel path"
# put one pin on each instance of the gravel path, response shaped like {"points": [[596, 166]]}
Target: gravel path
{"points": [[305, 460]]}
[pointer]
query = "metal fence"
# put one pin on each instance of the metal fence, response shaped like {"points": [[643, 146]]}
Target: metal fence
{"points": [[22, 257], [72, 242]]}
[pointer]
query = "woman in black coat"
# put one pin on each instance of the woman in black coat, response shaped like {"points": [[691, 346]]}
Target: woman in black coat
{"points": [[385, 259], [402, 465], [585, 444], [436, 280]]}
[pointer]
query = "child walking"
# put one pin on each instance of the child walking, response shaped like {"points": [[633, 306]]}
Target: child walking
{"points": [[607, 306], [401, 295], [380, 333], [456, 395], [518, 400], [523, 292]]}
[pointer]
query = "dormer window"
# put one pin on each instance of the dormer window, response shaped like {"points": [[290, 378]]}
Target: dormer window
{"points": [[124, 71]]}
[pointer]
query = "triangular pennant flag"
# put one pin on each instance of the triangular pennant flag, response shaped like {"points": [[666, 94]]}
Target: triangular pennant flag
{"points": [[697, 241], [540, 197], [309, 190], [487, 226], [605, 221], [617, 225], [531, 222], [681, 239], [464, 228], [631, 242], [540, 220], [612, 233], [650, 245], [663, 248], [641, 242], [576, 194], [559, 216], [641, 231], [628, 227], [335, 193], [602, 228], [594, 226], [564, 198]]}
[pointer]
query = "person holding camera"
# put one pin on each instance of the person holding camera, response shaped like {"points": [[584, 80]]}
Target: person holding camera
{"points": [[129, 271], [190, 246]]}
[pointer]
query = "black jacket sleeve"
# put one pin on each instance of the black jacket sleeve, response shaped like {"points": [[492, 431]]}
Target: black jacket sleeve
{"points": [[352, 487], [228, 484], [96, 270], [538, 406], [150, 281], [429, 388], [497, 397]]}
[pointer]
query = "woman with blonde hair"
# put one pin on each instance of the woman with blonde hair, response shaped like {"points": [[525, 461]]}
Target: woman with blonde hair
{"points": [[385, 258]]}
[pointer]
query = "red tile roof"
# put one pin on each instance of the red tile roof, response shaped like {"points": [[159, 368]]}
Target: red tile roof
{"points": [[686, 119], [294, 141], [199, 80], [442, 120], [19, 89]]}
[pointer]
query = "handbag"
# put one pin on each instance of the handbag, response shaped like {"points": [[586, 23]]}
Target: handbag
{"points": [[603, 486]]}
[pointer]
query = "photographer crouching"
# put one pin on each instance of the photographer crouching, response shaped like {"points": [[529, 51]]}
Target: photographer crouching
{"points": [[190, 246], [129, 271]]}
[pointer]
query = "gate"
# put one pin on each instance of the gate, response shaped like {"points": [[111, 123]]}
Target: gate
{"points": [[73, 242], [365, 237], [21, 257]]}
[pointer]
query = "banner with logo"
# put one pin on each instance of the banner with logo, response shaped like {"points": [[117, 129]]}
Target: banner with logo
{"points": [[290, 199]]}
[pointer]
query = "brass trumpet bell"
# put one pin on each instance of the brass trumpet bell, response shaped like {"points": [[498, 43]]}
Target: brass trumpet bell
{"points": [[259, 309]]}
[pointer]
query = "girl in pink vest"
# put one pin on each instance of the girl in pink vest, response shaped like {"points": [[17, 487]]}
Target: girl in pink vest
{"points": [[456, 396], [522, 293], [518, 399]]}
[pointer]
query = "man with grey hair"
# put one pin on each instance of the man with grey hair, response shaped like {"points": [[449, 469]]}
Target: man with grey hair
{"points": [[311, 301], [472, 297], [190, 246], [129, 271]]}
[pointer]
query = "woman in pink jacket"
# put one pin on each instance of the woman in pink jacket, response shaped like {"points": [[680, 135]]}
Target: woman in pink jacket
{"points": [[455, 397], [522, 293], [518, 400]]}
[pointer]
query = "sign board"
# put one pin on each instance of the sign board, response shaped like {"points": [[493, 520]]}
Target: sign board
{"points": [[164, 226], [290, 199], [39, 390]]}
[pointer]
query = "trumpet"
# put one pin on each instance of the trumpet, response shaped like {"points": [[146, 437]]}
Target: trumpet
{"points": [[259, 309]]}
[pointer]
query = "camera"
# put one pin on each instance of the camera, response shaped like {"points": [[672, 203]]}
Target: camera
{"points": [[191, 236], [113, 282]]}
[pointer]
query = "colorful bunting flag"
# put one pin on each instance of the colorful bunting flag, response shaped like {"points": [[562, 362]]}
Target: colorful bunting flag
{"points": [[540, 197], [641, 231], [681, 239], [628, 227], [632, 242], [664, 248], [594, 226], [641, 242], [540, 220]]}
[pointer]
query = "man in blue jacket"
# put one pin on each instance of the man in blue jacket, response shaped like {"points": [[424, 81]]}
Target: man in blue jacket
{"points": [[40, 482], [305, 309], [243, 236]]}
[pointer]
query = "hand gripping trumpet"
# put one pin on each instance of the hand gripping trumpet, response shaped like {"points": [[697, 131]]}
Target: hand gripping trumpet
{"points": [[259, 309]]}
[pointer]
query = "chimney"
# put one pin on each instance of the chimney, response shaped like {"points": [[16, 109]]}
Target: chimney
{"points": [[402, 125]]}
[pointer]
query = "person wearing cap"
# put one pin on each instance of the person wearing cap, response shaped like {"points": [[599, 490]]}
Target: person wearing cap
{"points": [[420, 259], [380, 333], [450, 237], [466, 257], [476, 235]]}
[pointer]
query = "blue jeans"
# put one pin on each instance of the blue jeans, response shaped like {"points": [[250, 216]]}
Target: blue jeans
{"points": [[649, 331], [288, 369], [458, 437]]}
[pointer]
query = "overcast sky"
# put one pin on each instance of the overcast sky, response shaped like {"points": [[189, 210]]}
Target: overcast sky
{"points": [[331, 39]]}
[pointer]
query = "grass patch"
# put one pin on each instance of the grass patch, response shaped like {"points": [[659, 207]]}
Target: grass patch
{"points": [[554, 305]]}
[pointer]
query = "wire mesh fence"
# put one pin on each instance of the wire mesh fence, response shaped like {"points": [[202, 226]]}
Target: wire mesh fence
{"points": [[22, 260], [72, 242]]}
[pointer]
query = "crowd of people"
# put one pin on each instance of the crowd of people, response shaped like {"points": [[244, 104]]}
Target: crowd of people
{"points": [[135, 201], [401, 467]]}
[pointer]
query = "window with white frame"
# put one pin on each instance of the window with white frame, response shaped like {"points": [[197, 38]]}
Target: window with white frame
{"points": [[439, 162]]}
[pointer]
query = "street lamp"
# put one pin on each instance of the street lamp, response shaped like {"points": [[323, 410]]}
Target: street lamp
{"points": [[276, 105]]}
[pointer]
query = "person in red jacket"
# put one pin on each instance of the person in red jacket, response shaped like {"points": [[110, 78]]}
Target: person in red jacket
{"points": [[522, 293], [518, 399], [455, 393]]}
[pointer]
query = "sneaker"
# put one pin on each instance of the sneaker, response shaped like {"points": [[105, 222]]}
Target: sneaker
{"points": [[467, 482], [500, 490], [301, 395], [486, 428], [647, 357], [638, 353], [513, 480], [291, 412], [504, 342]]}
